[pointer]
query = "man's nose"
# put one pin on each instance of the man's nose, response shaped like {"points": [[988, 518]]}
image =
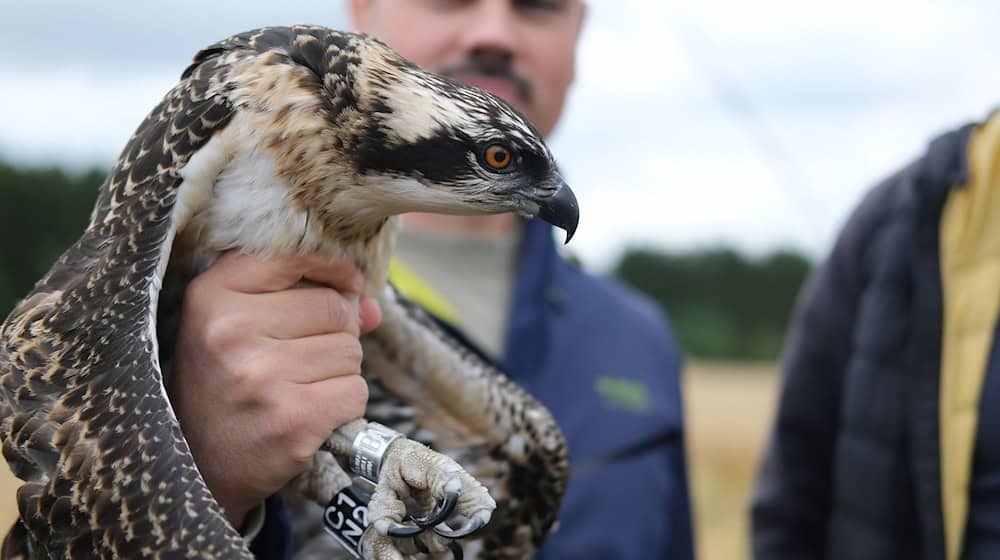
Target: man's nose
{"points": [[492, 30]]}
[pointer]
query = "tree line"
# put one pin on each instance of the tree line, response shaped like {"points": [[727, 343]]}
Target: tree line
{"points": [[721, 303], [42, 212]]}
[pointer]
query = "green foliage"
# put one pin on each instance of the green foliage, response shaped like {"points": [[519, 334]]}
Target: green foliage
{"points": [[42, 212], [721, 303]]}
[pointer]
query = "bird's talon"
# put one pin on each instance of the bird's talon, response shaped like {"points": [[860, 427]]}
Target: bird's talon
{"points": [[443, 513], [453, 486], [472, 526], [403, 531]]}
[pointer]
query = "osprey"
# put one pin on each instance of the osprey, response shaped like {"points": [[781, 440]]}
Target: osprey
{"points": [[278, 141]]}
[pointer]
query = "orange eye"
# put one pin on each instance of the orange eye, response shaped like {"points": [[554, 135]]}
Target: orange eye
{"points": [[498, 157]]}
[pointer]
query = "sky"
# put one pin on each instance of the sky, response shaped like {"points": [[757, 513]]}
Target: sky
{"points": [[757, 125]]}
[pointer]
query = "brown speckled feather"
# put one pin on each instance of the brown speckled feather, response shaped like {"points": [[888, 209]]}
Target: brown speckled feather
{"points": [[274, 142], [85, 417]]}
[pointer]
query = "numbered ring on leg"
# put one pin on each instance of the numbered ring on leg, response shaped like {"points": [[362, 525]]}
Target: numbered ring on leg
{"points": [[370, 446]]}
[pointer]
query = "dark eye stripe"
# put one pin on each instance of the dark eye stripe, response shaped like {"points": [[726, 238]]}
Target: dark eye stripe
{"points": [[439, 159]]}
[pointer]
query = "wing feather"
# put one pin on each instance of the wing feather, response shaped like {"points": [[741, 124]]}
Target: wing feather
{"points": [[86, 421]]}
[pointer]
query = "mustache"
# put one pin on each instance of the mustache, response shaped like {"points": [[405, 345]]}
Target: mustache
{"points": [[491, 68]]}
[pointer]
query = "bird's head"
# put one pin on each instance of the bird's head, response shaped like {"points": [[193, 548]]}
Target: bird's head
{"points": [[361, 134], [456, 149]]}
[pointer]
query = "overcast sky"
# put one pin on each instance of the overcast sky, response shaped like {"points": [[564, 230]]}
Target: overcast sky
{"points": [[755, 124]]}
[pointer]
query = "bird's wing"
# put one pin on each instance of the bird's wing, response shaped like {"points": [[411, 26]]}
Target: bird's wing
{"points": [[85, 417], [465, 407]]}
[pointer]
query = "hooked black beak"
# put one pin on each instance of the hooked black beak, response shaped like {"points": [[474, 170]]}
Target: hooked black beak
{"points": [[561, 210]]}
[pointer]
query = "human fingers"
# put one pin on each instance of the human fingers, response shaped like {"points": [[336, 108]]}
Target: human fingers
{"points": [[320, 408], [310, 359], [304, 312], [245, 273], [335, 401], [370, 313]]}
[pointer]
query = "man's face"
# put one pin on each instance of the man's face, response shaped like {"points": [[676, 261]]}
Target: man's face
{"points": [[521, 50]]}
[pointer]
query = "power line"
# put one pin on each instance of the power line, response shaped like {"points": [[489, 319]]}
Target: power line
{"points": [[789, 176]]}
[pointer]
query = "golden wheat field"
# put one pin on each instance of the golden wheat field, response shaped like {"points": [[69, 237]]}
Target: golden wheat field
{"points": [[729, 408], [8, 485]]}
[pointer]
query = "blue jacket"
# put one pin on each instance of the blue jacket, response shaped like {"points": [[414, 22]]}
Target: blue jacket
{"points": [[604, 361]]}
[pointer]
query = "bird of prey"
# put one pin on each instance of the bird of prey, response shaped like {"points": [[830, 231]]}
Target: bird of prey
{"points": [[278, 141]]}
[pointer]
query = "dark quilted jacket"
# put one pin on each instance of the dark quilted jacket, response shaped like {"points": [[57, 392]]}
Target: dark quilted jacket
{"points": [[852, 469]]}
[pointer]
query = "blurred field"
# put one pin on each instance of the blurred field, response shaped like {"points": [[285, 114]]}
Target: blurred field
{"points": [[8, 507], [729, 408]]}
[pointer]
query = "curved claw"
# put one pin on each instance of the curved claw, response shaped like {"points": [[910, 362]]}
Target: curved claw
{"points": [[403, 531], [456, 550], [423, 523], [443, 513], [472, 526]]}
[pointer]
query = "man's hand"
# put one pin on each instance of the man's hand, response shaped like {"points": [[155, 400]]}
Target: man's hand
{"points": [[264, 373]]}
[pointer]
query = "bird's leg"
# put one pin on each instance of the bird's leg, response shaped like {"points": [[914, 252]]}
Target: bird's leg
{"points": [[402, 469], [322, 481], [414, 358]]}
